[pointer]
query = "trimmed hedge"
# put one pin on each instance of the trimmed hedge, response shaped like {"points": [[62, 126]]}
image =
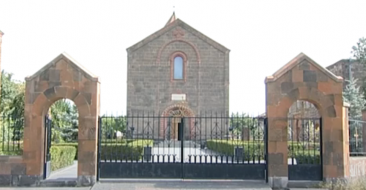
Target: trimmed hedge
{"points": [[130, 151], [252, 149], [75, 145], [255, 149], [62, 156], [112, 150]]}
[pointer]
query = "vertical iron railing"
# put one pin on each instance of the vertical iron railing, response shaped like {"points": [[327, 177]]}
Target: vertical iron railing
{"points": [[11, 135], [357, 137], [156, 138], [98, 148], [304, 141], [48, 133], [266, 146]]}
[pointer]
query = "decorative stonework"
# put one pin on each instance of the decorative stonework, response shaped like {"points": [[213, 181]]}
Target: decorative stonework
{"points": [[198, 56], [178, 33], [179, 108]]}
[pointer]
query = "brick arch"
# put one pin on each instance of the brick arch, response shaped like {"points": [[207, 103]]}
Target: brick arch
{"points": [[198, 56], [61, 78]]}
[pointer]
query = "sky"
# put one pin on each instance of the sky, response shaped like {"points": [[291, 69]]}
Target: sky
{"points": [[262, 35]]}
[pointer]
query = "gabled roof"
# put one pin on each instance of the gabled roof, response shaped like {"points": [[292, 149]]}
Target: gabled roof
{"points": [[69, 59], [172, 23], [296, 61]]}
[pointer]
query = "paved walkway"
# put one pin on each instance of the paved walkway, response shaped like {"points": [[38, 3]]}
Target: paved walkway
{"points": [[66, 173], [183, 185], [162, 186]]}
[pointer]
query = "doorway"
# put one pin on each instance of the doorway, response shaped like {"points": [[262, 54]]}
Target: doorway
{"points": [[177, 129]]}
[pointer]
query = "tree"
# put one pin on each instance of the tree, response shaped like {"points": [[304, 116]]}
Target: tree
{"points": [[239, 122], [356, 99], [64, 118], [110, 125], [12, 108], [359, 51]]}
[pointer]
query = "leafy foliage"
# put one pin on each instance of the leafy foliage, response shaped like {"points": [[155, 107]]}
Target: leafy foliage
{"points": [[12, 110], [352, 95], [359, 51], [239, 122], [64, 116], [112, 124]]}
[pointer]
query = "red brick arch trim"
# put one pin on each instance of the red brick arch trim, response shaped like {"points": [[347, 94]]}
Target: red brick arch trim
{"points": [[179, 40], [171, 109]]}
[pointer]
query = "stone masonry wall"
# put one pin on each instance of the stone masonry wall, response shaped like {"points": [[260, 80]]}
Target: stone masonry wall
{"points": [[341, 68], [149, 73]]}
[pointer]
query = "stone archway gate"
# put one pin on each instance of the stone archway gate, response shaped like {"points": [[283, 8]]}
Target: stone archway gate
{"points": [[303, 79], [61, 78], [300, 79]]}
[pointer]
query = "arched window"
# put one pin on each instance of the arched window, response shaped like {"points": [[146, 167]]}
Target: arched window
{"points": [[178, 68]]}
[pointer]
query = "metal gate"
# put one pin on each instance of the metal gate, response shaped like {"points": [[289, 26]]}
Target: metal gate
{"points": [[207, 147], [305, 150], [47, 159]]}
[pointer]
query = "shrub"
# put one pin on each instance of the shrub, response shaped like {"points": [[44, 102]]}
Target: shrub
{"points": [[113, 149], [62, 156], [252, 149], [75, 145], [130, 151], [256, 149]]}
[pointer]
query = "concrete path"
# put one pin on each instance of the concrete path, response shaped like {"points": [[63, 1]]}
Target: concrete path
{"points": [[183, 185], [151, 186], [66, 173]]}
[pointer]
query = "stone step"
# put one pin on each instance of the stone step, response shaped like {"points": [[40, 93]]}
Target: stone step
{"points": [[61, 182]]}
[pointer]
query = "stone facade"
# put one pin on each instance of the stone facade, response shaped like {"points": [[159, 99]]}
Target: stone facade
{"points": [[303, 79], [206, 72], [61, 78], [343, 67]]}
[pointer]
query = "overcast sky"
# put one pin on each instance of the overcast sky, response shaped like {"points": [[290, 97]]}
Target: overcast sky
{"points": [[262, 36]]}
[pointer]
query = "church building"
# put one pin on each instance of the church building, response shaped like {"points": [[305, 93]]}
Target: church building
{"points": [[178, 68]]}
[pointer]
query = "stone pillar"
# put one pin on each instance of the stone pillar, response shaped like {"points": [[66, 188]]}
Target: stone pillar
{"points": [[364, 130], [343, 170], [1, 39]]}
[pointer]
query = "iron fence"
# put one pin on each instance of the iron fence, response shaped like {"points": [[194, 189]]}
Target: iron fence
{"points": [[178, 146], [208, 138], [357, 136], [11, 135]]}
